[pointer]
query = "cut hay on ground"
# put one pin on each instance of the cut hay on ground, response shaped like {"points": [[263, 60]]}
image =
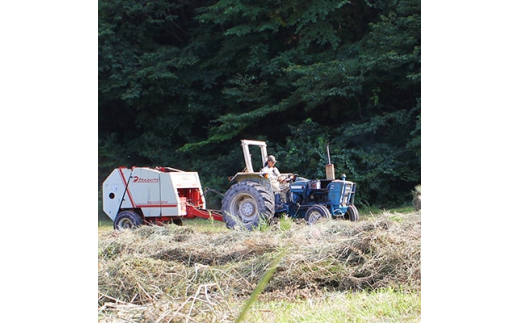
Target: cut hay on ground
{"points": [[176, 274]]}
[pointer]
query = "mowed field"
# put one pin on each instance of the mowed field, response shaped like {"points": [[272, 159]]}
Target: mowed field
{"points": [[335, 271]]}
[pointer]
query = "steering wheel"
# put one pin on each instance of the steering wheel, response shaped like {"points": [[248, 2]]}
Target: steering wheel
{"points": [[290, 178]]}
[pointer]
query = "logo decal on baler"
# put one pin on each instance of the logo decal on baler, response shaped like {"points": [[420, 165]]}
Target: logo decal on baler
{"points": [[137, 179]]}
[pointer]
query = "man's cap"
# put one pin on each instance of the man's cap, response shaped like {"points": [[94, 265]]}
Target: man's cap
{"points": [[271, 158]]}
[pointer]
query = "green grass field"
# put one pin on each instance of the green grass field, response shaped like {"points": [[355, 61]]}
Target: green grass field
{"points": [[105, 224], [385, 305]]}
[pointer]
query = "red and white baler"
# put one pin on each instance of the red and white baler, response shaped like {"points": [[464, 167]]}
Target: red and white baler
{"points": [[138, 195]]}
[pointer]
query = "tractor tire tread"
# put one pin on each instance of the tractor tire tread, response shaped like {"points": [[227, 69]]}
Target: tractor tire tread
{"points": [[352, 213]]}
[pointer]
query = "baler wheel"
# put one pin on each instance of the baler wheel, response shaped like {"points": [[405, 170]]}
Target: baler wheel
{"points": [[127, 220], [316, 213], [352, 213], [177, 222], [245, 204]]}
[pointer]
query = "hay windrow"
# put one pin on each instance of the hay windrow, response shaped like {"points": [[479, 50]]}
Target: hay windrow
{"points": [[178, 272]]}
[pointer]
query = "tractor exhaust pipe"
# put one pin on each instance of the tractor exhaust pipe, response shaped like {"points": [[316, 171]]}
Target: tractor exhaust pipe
{"points": [[329, 169]]}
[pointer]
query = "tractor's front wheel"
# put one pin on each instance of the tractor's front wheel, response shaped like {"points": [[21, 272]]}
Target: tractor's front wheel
{"points": [[127, 220], [316, 213], [352, 213], [246, 204]]}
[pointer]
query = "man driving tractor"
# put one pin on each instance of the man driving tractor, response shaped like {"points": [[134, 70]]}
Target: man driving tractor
{"points": [[278, 182]]}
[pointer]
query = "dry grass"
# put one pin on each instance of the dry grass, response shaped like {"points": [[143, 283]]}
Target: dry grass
{"points": [[181, 274]]}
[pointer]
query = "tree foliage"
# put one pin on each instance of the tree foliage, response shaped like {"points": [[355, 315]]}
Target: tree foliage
{"points": [[180, 83]]}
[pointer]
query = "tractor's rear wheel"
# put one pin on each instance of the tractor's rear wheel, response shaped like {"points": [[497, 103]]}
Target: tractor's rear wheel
{"points": [[246, 204], [316, 213], [127, 220], [352, 213]]}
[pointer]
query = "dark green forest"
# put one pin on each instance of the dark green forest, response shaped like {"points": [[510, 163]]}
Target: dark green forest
{"points": [[180, 83]]}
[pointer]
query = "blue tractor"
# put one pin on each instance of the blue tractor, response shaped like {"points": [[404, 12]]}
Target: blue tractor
{"points": [[251, 199]]}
